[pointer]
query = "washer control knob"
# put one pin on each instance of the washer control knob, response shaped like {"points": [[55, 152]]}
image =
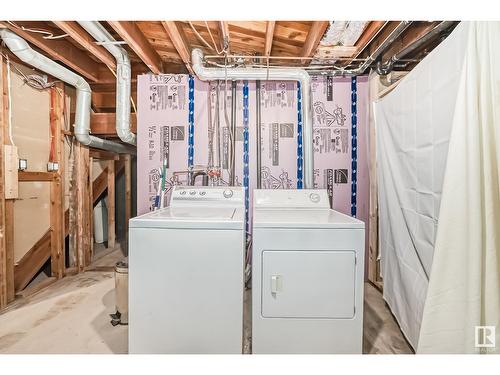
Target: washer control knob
{"points": [[183, 192], [192, 192], [203, 193], [228, 193], [314, 197]]}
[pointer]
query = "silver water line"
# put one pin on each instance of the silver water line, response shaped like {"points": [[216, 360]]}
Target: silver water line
{"points": [[385, 68], [217, 132], [258, 127], [245, 73], [233, 134], [123, 78], [19, 47]]}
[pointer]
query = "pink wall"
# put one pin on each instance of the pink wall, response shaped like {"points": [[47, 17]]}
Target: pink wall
{"points": [[163, 110]]}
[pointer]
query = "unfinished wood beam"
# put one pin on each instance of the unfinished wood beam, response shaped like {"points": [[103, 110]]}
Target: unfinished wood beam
{"points": [[269, 37], [79, 207], [57, 98], [84, 39], [314, 36], [179, 41], [59, 50], [133, 36], [128, 188], [29, 265], [26, 176], [105, 124], [4, 263], [96, 153], [90, 254], [224, 35], [7, 290], [111, 204], [107, 100], [367, 36]]}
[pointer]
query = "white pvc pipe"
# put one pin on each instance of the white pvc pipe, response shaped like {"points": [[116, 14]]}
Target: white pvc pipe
{"points": [[25, 53], [212, 74], [123, 78]]}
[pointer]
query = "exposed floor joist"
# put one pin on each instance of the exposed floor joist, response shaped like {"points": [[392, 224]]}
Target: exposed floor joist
{"points": [[60, 50], [179, 41], [79, 35], [314, 36], [134, 37], [269, 37]]}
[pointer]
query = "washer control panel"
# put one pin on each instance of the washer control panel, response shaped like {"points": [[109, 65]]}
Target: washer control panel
{"points": [[299, 198], [182, 195]]}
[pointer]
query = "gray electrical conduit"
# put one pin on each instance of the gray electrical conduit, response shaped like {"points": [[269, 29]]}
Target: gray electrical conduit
{"points": [[19, 47], [212, 74], [123, 78]]}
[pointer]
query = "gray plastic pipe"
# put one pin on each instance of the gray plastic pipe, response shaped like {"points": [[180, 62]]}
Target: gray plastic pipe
{"points": [[25, 53], [123, 77], [212, 74], [386, 68]]}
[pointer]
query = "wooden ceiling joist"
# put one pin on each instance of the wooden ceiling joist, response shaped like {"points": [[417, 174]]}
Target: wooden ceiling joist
{"points": [[59, 50], [314, 36], [179, 41], [79, 35], [269, 37], [134, 37]]}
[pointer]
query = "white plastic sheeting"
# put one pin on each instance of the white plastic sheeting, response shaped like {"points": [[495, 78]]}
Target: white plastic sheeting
{"points": [[413, 125], [464, 287]]}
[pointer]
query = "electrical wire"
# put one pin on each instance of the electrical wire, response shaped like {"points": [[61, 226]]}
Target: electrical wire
{"points": [[48, 34], [200, 37], [224, 51]]}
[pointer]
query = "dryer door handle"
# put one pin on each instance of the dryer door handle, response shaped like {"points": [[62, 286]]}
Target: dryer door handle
{"points": [[275, 284]]}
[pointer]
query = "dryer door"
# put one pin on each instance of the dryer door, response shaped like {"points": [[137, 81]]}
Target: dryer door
{"points": [[308, 284]]}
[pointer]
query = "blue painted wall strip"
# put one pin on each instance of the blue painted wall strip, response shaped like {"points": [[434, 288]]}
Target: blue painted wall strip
{"points": [[354, 144], [246, 173], [191, 123], [299, 137]]}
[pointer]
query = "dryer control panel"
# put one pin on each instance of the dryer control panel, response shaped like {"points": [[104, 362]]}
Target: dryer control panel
{"points": [[303, 198], [210, 195]]}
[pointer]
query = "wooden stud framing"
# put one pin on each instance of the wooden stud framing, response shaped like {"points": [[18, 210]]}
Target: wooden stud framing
{"points": [[57, 98], [314, 36], [79, 221], [90, 253], [128, 188], [4, 279], [179, 41], [111, 204], [134, 37], [269, 37], [79, 35], [7, 214]]}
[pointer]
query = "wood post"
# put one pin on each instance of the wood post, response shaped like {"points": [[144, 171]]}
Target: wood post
{"points": [[128, 188], [79, 221], [6, 206], [111, 204], [57, 98]]}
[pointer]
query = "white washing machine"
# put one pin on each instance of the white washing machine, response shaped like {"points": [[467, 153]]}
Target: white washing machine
{"points": [[186, 274], [307, 275]]}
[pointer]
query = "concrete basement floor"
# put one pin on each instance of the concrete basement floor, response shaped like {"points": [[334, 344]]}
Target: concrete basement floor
{"points": [[72, 316]]}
